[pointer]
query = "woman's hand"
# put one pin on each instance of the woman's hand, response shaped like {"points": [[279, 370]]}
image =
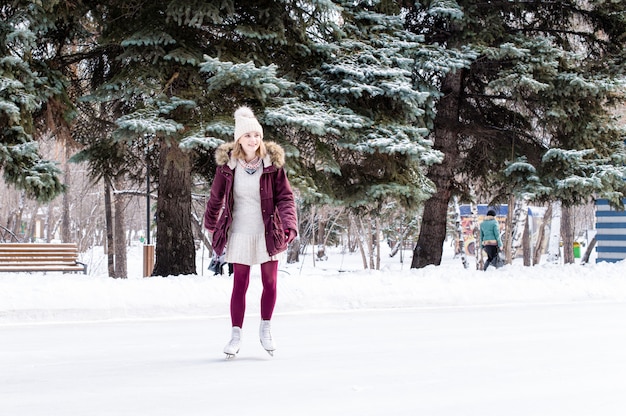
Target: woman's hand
{"points": [[290, 235]]}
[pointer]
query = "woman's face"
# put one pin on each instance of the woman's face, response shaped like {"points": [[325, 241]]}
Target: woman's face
{"points": [[250, 142]]}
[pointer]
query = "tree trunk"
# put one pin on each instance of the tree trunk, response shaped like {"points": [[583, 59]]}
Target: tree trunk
{"points": [[352, 240], [32, 226], [121, 269], [541, 235], [507, 239], [520, 219], [429, 247], [108, 214], [377, 242], [567, 234], [17, 225], [175, 249], [526, 244], [320, 239], [478, 249], [358, 237], [459, 246], [369, 240], [66, 236], [313, 243], [554, 251]]}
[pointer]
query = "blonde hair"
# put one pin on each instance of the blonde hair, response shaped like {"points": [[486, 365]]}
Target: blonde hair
{"points": [[238, 152]]}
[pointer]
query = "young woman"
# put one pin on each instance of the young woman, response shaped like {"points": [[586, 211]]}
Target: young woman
{"points": [[252, 215], [490, 237]]}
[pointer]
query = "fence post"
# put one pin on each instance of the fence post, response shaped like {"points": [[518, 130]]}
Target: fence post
{"points": [[148, 259]]}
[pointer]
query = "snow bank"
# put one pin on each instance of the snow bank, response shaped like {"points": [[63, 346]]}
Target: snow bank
{"points": [[63, 297]]}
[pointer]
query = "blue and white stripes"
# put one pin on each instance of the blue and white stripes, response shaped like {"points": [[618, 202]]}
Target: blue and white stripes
{"points": [[610, 232]]}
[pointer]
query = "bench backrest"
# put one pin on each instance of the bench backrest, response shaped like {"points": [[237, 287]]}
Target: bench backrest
{"points": [[29, 250], [15, 257]]}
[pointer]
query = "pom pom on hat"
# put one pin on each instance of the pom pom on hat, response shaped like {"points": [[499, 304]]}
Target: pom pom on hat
{"points": [[245, 122]]}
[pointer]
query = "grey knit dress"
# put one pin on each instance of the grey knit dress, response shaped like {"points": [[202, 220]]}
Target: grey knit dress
{"points": [[246, 241]]}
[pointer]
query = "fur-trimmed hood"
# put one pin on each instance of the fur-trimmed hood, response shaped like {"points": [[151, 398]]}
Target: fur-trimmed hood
{"points": [[275, 155]]}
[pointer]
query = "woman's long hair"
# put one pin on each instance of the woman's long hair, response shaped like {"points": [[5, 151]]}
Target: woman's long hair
{"points": [[238, 152]]}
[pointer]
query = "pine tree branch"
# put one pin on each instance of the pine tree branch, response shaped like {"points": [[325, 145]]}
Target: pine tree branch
{"points": [[91, 54]]}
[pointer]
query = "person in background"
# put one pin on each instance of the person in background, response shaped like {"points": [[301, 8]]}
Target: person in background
{"points": [[251, 214], [490, 237]]}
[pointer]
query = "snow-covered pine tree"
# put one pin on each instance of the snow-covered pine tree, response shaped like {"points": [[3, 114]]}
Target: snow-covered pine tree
{"points": [[515, 79], [366, 122], [27, 83], [359, 125]]}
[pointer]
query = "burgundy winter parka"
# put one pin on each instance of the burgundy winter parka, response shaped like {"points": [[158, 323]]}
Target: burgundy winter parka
{"points": [[278, 206]]}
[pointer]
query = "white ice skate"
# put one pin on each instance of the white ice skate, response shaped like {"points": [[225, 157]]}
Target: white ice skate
{"points": [[232, 348], [265, 334]]}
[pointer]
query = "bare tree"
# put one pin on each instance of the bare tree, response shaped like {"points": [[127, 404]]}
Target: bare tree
{"points": [[121, 269], [567, 234]]}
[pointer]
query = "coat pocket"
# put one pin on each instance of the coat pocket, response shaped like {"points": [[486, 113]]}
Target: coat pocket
{"points": [[278, 232]]}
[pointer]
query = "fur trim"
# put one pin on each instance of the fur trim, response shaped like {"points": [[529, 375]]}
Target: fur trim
{"points": [[275, 155], [222, 153]]}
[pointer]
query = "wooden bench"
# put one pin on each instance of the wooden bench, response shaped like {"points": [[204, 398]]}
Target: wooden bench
{"points": [[46, 257]]}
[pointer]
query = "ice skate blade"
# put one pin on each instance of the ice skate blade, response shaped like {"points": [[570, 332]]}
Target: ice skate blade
{"points": [[230, 356], [270, 352]]}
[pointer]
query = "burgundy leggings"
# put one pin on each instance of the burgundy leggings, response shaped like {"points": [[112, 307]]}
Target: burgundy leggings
{"points": [[241, 279]]}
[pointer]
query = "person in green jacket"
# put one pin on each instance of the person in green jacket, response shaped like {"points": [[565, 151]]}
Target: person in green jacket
{"points": [[490, 237]]}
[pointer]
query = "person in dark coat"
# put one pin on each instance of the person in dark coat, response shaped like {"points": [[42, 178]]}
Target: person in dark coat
{"points": [[251, 214], [490, 237]]}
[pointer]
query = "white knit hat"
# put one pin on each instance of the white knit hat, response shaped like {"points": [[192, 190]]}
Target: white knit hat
{"points": [[245, 122]]}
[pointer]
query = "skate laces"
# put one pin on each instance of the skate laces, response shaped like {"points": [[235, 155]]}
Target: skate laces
{"points": [[266, 337], [233, 344], [267, 334]]}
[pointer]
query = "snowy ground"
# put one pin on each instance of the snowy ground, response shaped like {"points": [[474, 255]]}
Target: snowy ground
{"points": [[546, 340]]}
